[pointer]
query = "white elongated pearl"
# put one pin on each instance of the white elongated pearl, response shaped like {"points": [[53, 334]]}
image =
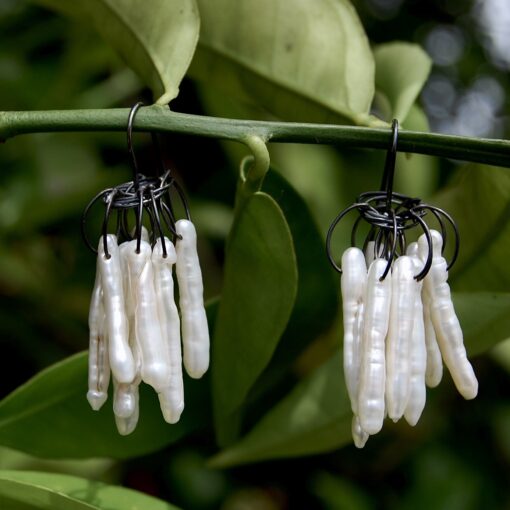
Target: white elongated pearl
{"points": [[418, 357], [124, 399], [121, 358], [353, 285], [445, 321], [370, 253], [404, 293], [130, 299], [99, 364], [171, 398], [155, 369], [195, 330], [126, 406], [434, 371], [359, 436], [412, 250], [371, 406]]}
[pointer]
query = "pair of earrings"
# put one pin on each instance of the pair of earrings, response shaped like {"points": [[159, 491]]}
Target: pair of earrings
{"points": [[399, 319], [134, 325], [398, 315]]}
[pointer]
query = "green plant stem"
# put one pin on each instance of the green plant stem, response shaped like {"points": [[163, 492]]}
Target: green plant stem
{"points": [[158, 118]]}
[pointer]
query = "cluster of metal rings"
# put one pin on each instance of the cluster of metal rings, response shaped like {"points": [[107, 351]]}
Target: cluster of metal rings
{"points": [[391, 216], [151, 196]]}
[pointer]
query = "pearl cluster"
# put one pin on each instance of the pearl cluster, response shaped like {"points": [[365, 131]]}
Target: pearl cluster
{"points": [[397, 332], [134, 324]]}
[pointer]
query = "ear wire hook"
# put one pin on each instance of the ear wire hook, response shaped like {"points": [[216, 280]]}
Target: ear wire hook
{"points": [[389, 166], [131, 119]]}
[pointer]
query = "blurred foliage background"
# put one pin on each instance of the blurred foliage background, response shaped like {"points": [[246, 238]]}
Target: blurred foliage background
{"points": [[457, 457]]}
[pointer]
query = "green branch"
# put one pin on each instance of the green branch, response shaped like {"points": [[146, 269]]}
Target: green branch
{"points": [[158, 118]]}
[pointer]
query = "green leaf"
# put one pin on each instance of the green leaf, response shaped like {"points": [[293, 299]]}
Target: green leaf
{"points": [[317, 297], [484, 317], [259, 290], [156, 41], [315, 417], [479, 201], [401, 70], [300, 61], [50, 417], [24, 490]]}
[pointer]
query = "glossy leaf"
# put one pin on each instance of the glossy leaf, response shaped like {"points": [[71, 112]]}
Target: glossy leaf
{"points": [[300, 61], [484, 317], [24, 490], [156, 41], [53, 403], [315, 417], [479, 201], [317, 298], [259, 290], [401, 70]]}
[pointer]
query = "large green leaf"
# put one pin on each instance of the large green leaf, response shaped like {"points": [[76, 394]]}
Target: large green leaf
{"points": [[479, 201], [401, 70], [49, 416], [315, 417], [259, 290], [317, 298], [300, 60], [157, 40], [31, 490], [485, 318]]}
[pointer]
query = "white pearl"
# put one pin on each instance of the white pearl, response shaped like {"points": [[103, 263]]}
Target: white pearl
{"points": [[155, 366], [359, 436], [445, 321], [121, 358], [99, 364], [171, 397], [371, 407], [195, 330], [353, 285], [418, 358], [404, 292], [126, 412]]}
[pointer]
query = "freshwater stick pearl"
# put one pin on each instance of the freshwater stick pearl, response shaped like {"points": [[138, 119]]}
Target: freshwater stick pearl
{"points": [[369, 253], [171, 398], [359, 436], [404, 292], [121, 358], [195, 330], [155, 365], [353, 285], [99, 364], [445, 321], [418, 358], [126, 406], [434, 371], [371, 407]]}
